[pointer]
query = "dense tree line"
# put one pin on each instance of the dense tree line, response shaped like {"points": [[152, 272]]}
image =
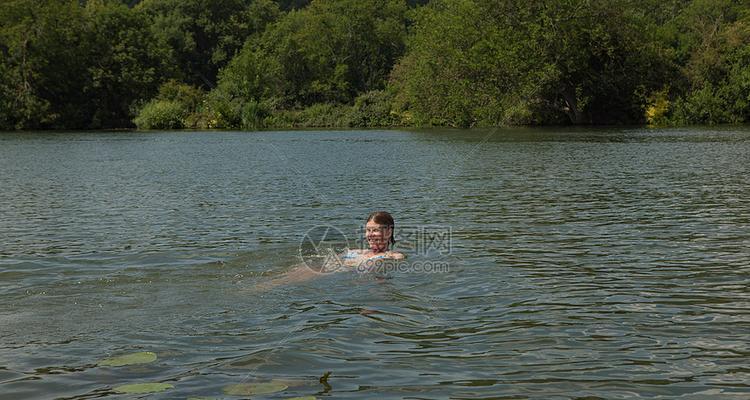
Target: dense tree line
{"points": [[263, 63]]}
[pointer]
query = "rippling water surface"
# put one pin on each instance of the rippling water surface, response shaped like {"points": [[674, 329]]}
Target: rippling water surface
{"points": [[581, 263]]}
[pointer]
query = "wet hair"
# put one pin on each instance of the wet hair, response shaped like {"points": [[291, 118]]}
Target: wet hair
{"points": [[383, 218]]}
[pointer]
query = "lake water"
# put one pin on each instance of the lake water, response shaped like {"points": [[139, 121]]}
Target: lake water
{"points": [[610, 263]]}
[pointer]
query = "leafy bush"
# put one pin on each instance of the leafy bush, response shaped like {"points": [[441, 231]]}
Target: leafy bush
{"points": [[190, 97], [254, 115], [322, 115], [374, 109], [703, 106], [161, 114], [225, 112], [176, 106], [658, 108]]}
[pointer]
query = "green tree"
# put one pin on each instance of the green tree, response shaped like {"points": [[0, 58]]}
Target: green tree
{"points": [[711, 43], [125, 65], [328, 52], [203, 35], [68, 66], [605, 59], [511, 61], [43, 45]]}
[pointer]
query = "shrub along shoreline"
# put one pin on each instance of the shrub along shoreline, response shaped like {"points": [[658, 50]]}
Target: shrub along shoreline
{"points": [[179, 106]]}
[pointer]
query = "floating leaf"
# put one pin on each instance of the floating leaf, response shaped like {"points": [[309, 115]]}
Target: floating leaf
{"points": [[291, 382], [142, 357], [249, 389], [141, 388], [247, 362]]}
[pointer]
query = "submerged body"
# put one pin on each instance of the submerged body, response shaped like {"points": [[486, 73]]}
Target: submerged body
{"points": [[360, 260], [352, 258], [379, 228]]}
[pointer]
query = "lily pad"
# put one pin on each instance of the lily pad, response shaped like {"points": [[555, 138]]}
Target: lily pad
{"points": [[291, 382], [250, 389], [141, 388], [142, 357]]}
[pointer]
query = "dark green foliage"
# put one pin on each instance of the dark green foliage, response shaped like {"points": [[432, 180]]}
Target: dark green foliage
{"points": [[161, 114], [287, 5], [319, 57], [712, 46], [68, 66], [176, 106], [505, 62], [374, 109], [251, 64], [43, 75], [321, 115], [329, 52], [203, 35], [124, 66], [253, 115], [190, 97]]}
